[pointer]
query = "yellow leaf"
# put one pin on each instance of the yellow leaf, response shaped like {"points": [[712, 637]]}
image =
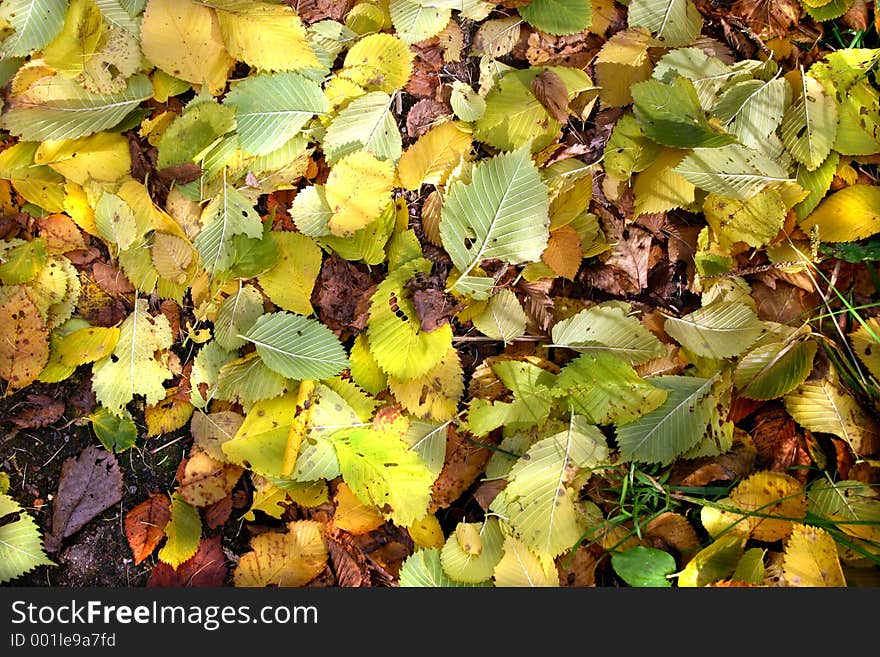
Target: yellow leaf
{"points": [[717, 561], [358, 190], [206, 481], [378, 61], [291, 559], [24, 350], [770, 502], [78, 39], [211, 430], [427, 533], [183, 532], [77, 205], [469, 540], [431, 159], [353, 515], [364, 369], [168, 415], [266, 36], [521, 567], [183, 39], [810, 559], [850, 214], [622, 62], [867, 348], [290, 281], [87, 345], [302, 420], [659, 189], [435, 394], [102, 157], [173, 257]]}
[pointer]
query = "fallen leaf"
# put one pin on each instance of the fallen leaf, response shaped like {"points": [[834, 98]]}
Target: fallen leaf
{"points": [[206, 568], [145, 525], [292, 558], [89, 484]]}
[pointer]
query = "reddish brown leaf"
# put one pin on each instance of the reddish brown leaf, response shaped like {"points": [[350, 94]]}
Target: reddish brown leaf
{"points": [[206, 568], [218, 513], [552, 93], [780, 444], [339, 295], [423, 115], [111, 279], [180, 174], [145, 525], [463, 464], [61, 233], [89, 484], [37, 411]]}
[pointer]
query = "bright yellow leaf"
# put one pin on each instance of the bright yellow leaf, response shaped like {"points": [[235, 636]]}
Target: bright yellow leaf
{"points": [[78, 39], [427, 533], [87, 345], [378, 61], [353, 515], [435, 394], [290, 559], [290, 281], [183, 39], [431, 159], [850, 214], [810, 559], [358, 190]]}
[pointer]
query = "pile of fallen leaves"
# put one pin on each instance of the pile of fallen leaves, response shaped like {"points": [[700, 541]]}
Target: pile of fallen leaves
{"points": [[449, 292]]}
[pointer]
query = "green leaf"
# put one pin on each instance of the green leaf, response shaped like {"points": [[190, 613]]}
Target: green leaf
{"points": [[366, 123], [714, 562], [237, 315], [428, 440], [644, 566], [422, 568], [116, 434], [606, 390], [675, 427], [674, 22], [194, 133], [21, 261], [228, 214], [733, 171], [514, 116], [183, 532], [502, 213], [117, 15], [59, 108], [21, 547], [381, 470], [719, 330], [465, 566], [540, 506], [116, 222], [607, 329], [810, 125], [132, 369], [34, 23], [247, 380], [671, 115], [396, 340], [206, 368], [558, 16], [503, 318], [416, 21], [628, 150], [532, 399], [816, 182], [708, 74], [773, 370], [270, 109], [297, 347], [755, 221], [753, 109]]}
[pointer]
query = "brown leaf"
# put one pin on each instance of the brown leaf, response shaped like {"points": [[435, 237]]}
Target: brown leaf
{"points": [[631, 256], [312, 11], [206, 568], [88, 485], [563, 253], [574, 50], [552, 93], [352, 566], [145, 525], [111, 279], [579, 569], [782, 303], [537, 302], [730, 466], [433, 307], [180, 174], [218, 513], [767, 19], [673, 530], [423, 115], [463, 464], [24, 348], [38, 411], [780, 445], [339, 294], [61, 234]]}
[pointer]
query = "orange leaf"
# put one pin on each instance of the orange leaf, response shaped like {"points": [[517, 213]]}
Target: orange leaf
{"points": [[145, 525], [563, 253]]}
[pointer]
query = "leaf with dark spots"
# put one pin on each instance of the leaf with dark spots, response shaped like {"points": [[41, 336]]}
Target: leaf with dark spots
{"points": [[145, 525], [206, 568], [341, 295], [89, 485]]}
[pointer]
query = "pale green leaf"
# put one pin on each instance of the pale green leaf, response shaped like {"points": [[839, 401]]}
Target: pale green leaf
{"points": [[719, 330], [237, 315], [423, 569], [753, 109], [558, 16], [816, 182], [502, 213], [366, 123], [773, 370], [675, 427], [674, 22], [733, 171], [503, 318], [628, 150], [297, 347], [520, 567], [416, 21], [464, 566], [247, 380], [270, 109], [34, 23], [428, 440], [607, 329], [810, 124], [57, 108]]}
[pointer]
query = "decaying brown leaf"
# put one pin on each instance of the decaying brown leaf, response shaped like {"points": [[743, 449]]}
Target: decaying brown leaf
{"points": [[145, 525], [206, 568]]}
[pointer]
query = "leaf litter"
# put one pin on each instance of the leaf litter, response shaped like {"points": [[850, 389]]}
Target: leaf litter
{"points": [[572, 294]]}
